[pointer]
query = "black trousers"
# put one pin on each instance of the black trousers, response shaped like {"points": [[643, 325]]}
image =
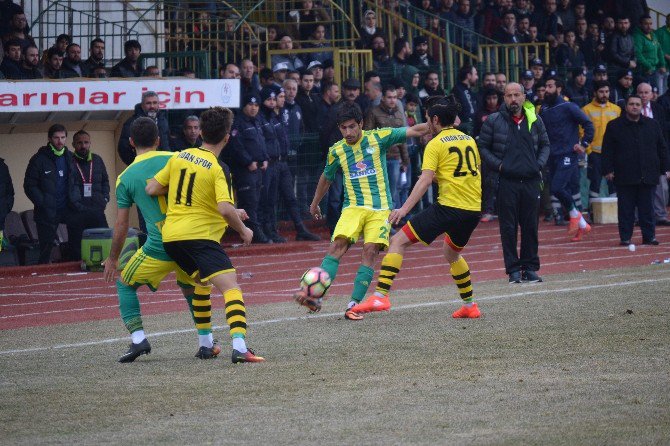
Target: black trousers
{"points": [[46, 233], [278, 183], [639, 196], [518, 203], [249, 187]]}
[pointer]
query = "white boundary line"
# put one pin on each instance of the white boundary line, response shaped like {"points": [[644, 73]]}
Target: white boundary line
{"points": [[325, 315]]}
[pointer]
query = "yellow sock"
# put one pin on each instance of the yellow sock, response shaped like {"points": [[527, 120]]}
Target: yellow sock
{"points": [[391, 264], [202, 309], [460, 271], [236, 316]]}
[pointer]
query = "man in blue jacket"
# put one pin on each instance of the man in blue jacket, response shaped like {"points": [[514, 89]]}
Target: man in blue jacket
{"points": [[562, 120]]}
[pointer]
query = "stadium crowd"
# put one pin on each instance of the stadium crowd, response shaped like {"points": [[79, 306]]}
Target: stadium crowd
{"points": [[601, 53]]}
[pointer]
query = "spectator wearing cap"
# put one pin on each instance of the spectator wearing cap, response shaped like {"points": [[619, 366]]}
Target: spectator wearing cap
{"points": [[247, 156], [431, 85], [600, 73], [316, 68], [621, 49], [369, 30], [528, 82], [600, 111], [651, 63], [467, 79], [576, 89], [420, 57], [623, 88], [537, 67], [317, 40], [129, 65], [279, 72], [286, 44]]}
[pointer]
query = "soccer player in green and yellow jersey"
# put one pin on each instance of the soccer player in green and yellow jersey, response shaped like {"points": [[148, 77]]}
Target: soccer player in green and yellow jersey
{"points": [[200, 208], [361, 157], [452, 159], [150, 264]]}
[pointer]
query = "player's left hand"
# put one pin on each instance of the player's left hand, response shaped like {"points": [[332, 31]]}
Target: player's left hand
{"points": [[579, 148], [110, 269], [396, 216], [315, 210], [264, 165]]}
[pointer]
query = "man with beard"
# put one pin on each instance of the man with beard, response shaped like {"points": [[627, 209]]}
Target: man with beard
{"points": [[562, 120], [514, 143], [420, 57], [431, 85], [467, 79], [129, 66], [72, 64], [52, 68], [30, 64], [96, 57], [380, 55], [601, 111]]}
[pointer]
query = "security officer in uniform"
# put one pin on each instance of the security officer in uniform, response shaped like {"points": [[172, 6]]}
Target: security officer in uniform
{"points": [[247, 157], [277, 178]]}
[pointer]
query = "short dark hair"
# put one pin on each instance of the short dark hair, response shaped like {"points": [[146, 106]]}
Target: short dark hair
{"points": [[464, 71], [369, 75], [12, 42], [347, 111], [71, 45], [266, 73], [80, 133], [399, 44], [326, 86], [96, 40], [144, 132], [633, 96], [559, 83], [388, 87], [63, 37], [644, 17], [55, 129], [446, 110], [305, 72], [130, 45], [215, 124], [600, 84], [27, 47], [490, 91]]}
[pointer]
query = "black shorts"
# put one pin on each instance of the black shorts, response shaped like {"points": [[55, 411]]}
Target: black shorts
{"points": [[199, 256], [458, 224]]}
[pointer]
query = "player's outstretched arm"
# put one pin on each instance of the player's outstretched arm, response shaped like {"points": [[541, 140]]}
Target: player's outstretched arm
{"points": [[417, 131], [119, 237], [420, 188], [155, 188], [320, 192], [233, 219]]}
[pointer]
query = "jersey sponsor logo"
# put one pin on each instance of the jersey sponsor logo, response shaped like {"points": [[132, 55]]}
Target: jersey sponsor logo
{"points": [[361, 169]]}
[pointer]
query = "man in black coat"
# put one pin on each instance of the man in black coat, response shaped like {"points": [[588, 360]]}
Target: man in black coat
{"points": [[149, 107], [634, 154], [514, 142], [46, 185], [6, 196], [129, 66], [88, 187]]}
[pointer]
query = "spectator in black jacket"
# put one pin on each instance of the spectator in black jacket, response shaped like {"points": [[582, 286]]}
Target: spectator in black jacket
{"points": [[189, 136], [30, 65], [88, 192], [11, 63], [621, 46], [467, 79], [72, 64], [46, 185], [6, 196], [129, 66], [420, 57], [576, 88], [634, 155], [54, 62], [514, 143], [149, 107], [96, 55]]}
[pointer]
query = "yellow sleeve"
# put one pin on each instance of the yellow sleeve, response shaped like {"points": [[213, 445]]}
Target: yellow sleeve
{"points": [[430, 157], [163, 175]]}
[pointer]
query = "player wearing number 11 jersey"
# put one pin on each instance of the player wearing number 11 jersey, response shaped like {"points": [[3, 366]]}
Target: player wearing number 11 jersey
{"points": [[361, 157], [451, 158]]}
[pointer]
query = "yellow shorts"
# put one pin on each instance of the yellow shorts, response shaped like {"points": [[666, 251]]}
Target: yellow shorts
{"points": [[143, 269], [372, 224]]}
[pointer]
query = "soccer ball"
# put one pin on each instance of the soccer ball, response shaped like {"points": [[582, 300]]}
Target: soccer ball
{"points": [[315, 282]]}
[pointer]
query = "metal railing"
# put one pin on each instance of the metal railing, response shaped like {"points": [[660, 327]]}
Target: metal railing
{"points": [[511, 59], [347, 63]]}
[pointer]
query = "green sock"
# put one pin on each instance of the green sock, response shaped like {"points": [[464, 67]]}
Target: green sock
{"points": [[330, 265], [362, 282], [129, 306]]}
